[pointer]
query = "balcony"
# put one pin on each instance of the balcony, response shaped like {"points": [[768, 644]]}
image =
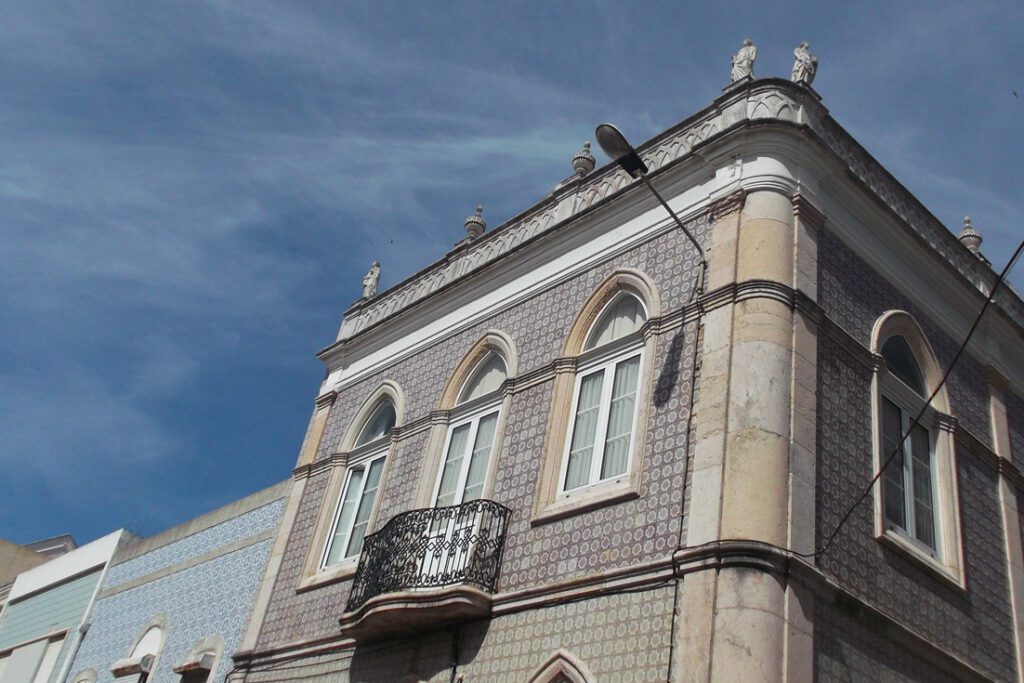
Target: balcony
{"points": [[427, 567]]}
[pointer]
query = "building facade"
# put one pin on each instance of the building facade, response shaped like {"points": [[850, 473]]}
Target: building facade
{"points": [[48, 611], [579, 449], [173, 607]]}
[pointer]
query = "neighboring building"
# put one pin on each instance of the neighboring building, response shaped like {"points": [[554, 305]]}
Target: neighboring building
{"points": [[15, 559], [551, 457], [173, 607], [48, 610]]}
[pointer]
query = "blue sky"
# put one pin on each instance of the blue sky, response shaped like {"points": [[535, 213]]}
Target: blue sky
{"points": [[190, 193]]}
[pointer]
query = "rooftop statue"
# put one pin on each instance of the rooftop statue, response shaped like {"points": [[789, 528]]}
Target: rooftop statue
{"points": [[805, 66], [743, 61], [370, 281]]}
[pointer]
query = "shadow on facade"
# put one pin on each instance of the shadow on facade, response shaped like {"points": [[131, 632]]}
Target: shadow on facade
{"points": [[420, 656]]}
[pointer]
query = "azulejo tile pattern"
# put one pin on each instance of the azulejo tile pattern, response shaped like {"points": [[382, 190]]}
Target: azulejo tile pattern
{"points": [[254, 522], [974, 625], [1015, 420], [606, 538], [847, 648], [212, 598], [855, 296], [623, 638]]}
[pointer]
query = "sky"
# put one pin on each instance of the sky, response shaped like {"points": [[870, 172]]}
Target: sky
{"points": [[190, 193]]}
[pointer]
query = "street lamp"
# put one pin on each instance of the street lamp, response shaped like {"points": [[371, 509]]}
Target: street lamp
{"points": [[618, 149]]}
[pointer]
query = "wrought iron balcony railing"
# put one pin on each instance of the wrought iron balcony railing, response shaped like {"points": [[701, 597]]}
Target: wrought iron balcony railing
{"points": [[431, 548]]}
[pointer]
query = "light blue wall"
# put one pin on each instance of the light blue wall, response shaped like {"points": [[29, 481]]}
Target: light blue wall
{"points": [[61, 606], [212, 598]]}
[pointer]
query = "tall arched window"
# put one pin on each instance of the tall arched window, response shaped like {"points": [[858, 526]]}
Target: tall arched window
{"points": [[365, 466], [605, 399], [916, 497], [471, 433]]}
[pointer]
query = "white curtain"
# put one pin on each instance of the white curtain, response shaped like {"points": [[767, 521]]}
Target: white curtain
{"points": [[355, 544], [481, 456], [584, 431], [485, 379], [624, 317], [452, 466], [620, 418], [345, 515]]}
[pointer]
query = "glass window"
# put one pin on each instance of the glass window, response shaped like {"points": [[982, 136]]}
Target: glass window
{"points": [[380, 423], [353, 515], [908, 488], [900, 361], [605, 405], [486, 378]]}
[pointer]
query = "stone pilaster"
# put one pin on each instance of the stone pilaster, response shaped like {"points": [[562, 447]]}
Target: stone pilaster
{"points": [[1010, 513], [753, 476]]}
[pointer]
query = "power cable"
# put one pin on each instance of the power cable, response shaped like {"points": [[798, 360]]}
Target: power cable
{"points": [[823, 548]]}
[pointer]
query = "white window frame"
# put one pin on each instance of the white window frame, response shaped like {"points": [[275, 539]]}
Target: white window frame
{"points": [[608, 357], [909, 404], [946, 560], [477, 411], [361, 459]]}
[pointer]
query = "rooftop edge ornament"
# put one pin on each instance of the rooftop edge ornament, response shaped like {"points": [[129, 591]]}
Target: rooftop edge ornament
{"points": [[584, 162], [743, 61], [969, 237], [370, 281], [805, 65], [475, 224]]}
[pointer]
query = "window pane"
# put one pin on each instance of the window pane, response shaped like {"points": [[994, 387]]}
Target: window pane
{"points": [[624, 317], [900, 361], [355, 545], [481, 455], [379, 424], [924, 513], [345, 514], [620, 418], [584, 431], [485, 379], [893, 494], [452, 466]]}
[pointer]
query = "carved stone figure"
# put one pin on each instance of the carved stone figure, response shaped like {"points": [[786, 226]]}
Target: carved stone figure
{"points": [[370, 281], [743, 61], [805, 66]]}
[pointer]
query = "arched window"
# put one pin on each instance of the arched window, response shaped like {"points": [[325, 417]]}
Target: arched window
{"points": [[138, 667], [605, 403], [916, 496], [471, 433], [365, 466]]}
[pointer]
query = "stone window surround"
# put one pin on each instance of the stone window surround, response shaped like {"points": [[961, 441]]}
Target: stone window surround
{"points": [[562, 665], [197, 658], [551, 502], [313, 574], [947, 562], [134, 663]]}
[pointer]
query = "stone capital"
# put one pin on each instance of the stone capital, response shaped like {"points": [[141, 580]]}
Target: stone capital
{"points": [[727, 205]]}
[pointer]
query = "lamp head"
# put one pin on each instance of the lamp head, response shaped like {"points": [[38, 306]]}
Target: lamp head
{"points": [[618, 149]]}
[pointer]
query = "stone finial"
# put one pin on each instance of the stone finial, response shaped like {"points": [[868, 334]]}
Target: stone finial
{"points": [[584, 162], [805, 65], [370, 281], [969, 237], [743, 61], [475, 224]]}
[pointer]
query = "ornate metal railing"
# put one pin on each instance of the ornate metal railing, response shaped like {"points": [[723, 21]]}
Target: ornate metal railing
{"points": [[461, 544]]}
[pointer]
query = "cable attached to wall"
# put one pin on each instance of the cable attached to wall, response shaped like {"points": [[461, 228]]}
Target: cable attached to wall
{"points": [[824, 547]]}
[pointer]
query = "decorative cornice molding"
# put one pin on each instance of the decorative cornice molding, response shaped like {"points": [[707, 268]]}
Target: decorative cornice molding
{"points": [[326, 399], [727, 205], [807, 213], [759, 102]]}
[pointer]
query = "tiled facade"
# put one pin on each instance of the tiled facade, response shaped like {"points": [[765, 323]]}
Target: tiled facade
{"points": [[758, 437], [197, 587]]}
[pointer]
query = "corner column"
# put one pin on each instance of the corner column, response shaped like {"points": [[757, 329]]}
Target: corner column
{"points": [[754, 457]]}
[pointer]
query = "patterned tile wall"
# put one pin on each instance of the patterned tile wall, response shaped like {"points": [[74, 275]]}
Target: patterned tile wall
{"points": [[249, 524], [854, 296], [848, 649], [1015, 418], [213, 598], [975, 625], [623, 638], [609, 537]]}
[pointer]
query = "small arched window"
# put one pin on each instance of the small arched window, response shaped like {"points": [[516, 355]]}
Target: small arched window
{"points": [[366, 464], [604, 405], [916, 496]]}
